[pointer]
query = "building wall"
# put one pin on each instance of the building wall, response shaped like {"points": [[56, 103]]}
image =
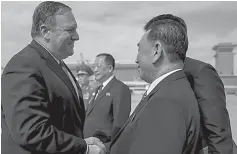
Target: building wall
{"points": [[126, 74], [235, 60], [229, 80], [224, 63]]}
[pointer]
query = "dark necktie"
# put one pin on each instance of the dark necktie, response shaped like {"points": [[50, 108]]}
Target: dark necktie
{"points": [[141, 103], [144, 95], [97, 92]]}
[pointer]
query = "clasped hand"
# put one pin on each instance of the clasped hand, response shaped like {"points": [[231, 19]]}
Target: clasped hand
{"points": [[95, 146]]}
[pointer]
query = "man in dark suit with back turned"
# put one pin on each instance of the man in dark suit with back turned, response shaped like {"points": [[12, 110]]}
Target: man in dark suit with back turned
{"points": [[210, 93], [42, 104], [167, 120], [111, 104]]}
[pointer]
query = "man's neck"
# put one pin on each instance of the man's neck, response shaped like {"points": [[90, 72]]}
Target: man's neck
{"points": [[46, 46], [166, 69], [105, 79]]}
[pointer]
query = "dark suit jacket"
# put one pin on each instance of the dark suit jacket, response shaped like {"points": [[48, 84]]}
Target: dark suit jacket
{"points": [[166, 121], [41, 112], [210, 94], [234, 148], [111, 108]]}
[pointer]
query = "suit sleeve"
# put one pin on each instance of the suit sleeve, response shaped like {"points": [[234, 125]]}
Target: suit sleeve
{"points": [[25, 105], [121, 109], [210, 93], [159, 131]]}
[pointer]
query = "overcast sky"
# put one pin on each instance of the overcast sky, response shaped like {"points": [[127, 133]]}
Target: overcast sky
{"points": [[116, 27]]}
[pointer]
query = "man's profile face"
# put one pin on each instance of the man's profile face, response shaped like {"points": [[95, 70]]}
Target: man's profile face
{"points": [[144, 57], [64, 34], [101, 69]]}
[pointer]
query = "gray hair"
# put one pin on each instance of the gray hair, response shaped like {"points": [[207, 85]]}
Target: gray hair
{"points": [[172, 32], [45, 14]]}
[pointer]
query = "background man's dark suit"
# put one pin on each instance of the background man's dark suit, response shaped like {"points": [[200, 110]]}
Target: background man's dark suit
{"points": [[210, 94], [41, 112], [109, 111], [165, 122]]}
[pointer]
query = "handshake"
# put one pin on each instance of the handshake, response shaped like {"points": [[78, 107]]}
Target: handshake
{"points": [[95, 146]]}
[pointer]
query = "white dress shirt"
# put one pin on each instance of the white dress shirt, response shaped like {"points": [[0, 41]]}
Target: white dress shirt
{"points": [[104, 84], [107, 81], [159, 79]]}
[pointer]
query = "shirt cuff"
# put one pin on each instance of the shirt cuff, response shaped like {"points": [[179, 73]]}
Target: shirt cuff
{"points": [[87, 149]]}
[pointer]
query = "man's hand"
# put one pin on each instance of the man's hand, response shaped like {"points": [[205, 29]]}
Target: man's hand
{"points": [[94, 149], [95, 141]]}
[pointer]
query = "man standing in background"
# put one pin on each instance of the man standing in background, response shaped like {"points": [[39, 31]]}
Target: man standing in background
{"points": [[83, 74], [215, 122], [110, 106]]}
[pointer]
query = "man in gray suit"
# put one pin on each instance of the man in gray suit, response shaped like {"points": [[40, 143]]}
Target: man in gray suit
{"points": [[110, 106]]}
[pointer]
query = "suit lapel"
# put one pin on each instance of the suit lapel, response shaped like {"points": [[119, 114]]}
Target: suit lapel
{"points": [[74, 79], [105, 90], [167, 80], [140, 105], [101, 94], [92, 101], [54, 66]]}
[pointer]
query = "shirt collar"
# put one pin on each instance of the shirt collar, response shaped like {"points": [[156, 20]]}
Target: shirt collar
{"points": [[48, 52], [158, 80], [107, 81]]}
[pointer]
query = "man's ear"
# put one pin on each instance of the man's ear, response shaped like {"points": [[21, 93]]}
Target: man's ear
{"points": [[157, 51], [111, 68], [45, 32]]}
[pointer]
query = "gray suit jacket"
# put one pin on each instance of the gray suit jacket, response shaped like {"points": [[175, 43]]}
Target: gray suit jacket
{"points": [[111, 108]]}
